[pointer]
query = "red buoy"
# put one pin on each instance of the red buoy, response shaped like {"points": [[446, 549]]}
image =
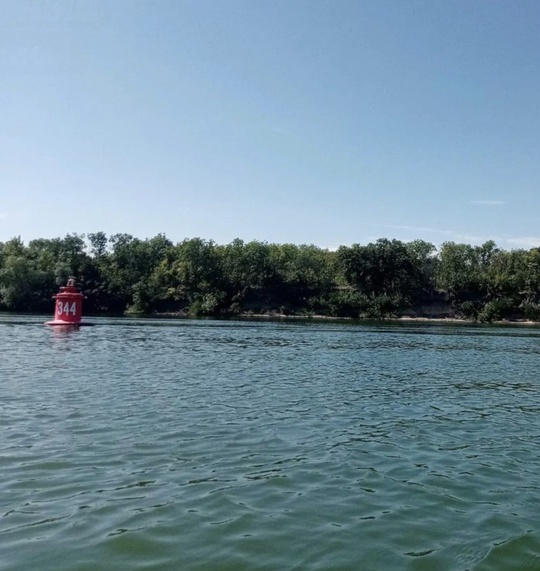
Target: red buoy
{"points": [[68, 308]]}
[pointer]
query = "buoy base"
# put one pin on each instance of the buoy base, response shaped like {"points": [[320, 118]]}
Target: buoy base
{"points": [[58, 323]]}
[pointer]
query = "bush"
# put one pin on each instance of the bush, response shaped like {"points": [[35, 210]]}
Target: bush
{"points": [[495, 310], [530, 310], [468, 310], [207, 304], [344, 303], [382, 306]]}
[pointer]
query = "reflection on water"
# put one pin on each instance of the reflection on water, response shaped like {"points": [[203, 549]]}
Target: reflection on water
{"points": [[148, 444]]}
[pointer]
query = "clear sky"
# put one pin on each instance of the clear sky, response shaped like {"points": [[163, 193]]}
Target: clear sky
{"points": [[307, 121]]}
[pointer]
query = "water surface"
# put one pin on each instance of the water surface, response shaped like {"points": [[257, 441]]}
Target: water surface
{"points": [[223, 445]]}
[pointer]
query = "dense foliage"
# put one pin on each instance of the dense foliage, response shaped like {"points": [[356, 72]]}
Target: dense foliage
{"points": [[121, 274]]}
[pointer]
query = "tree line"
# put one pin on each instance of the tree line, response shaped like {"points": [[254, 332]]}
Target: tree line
{"points": [[122, 274]]}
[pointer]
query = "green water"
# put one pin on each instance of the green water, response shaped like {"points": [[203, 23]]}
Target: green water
{"points": [[213, 445]]}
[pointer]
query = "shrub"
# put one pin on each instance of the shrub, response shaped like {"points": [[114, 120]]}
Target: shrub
{"points": [[468, 310], [530, 310], [495, 310]]}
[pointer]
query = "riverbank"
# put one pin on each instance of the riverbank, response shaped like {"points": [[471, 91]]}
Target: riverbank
{"points": [[315, 317], [269, 316]]}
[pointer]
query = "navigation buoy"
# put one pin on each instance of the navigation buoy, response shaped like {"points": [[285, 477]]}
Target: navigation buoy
{"points": [[68, 308]]}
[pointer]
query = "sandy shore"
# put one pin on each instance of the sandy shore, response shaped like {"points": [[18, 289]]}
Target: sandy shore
{"points": [[404, 319]]}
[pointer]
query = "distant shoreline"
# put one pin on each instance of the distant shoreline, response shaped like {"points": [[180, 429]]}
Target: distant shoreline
{"points": [[404, 319], [298, 317]]}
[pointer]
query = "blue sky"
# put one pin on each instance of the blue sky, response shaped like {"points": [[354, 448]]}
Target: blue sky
{"points": [[304, 121]]}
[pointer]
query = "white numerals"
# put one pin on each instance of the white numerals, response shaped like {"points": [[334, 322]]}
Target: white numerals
{"points": [[67, 308]]}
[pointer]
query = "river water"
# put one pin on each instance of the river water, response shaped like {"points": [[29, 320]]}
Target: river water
{"points": [[229, 445]]}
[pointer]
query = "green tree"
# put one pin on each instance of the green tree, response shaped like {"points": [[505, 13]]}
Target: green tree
{"points": [[384, 267], [460, 272], [128, 268], [23, 287], [98, 244]]}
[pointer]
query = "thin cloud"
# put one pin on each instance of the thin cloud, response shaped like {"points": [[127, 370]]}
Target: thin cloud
{"points": [[471, 238], [525, 241], [488, 202], [449, 234], [3, 215], [415, 228]]}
